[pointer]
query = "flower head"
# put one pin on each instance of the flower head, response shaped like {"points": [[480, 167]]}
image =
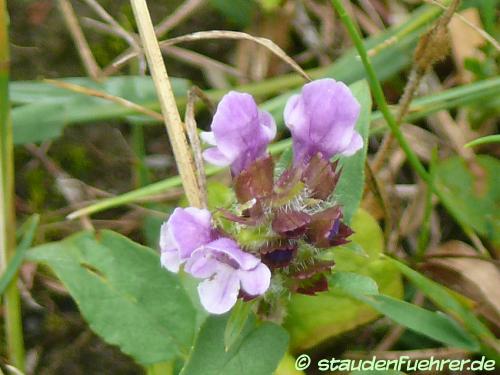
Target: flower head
{"points": [[321, 119], [186, 230], [226, 270], [240, 132]]}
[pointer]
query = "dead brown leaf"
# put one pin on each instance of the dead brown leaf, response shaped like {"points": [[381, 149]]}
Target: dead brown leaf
{"points": [[457, 265]]}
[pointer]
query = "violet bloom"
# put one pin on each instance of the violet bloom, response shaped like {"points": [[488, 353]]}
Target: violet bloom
{"points": [[321, 119], [240, 132], [227, 270], [186, 230]]}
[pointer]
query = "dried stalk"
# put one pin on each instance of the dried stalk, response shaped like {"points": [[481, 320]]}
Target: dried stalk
{"points": [[181, 13], [478, 30], [432, 47], [194, 140], [88, 60], [224, 34], [103, 95], [128, 37], [173, 122]]}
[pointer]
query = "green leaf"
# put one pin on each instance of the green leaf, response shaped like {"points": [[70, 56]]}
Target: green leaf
{"points": [[435, 325], [484, 140], [257, 351], [287, 366], [237, 11], [29, 229], [284, 161], [312, 320], [353, 283], [444, 299], [46, 109], [123, 293], [473, 192], [219, 195], [270, 5], [236, 322], [351, 184]]}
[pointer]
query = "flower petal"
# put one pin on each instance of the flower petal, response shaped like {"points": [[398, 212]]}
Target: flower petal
{"points": [[202, 264], [322, 119], [255, 282], [294, 113], [189, 229], [355, 145], [235, 256], [219, 294], [167, 243], [241, 132], [215, 157], [268, 125], [208, 137], [170, 260]]}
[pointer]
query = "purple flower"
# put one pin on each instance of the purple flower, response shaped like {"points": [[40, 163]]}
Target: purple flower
{"points": [[186, 230], [321, 119], [240, 132], [227, 269]]}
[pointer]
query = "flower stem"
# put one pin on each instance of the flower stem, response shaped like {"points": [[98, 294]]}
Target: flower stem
{"points": [[12, 303], [379, 97]]}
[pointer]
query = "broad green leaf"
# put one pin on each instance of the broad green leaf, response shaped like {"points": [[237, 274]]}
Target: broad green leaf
{"points": [[312, 320], [435, 325], [123, 293], [353, 283], [257, 351], [236, 322], [474, 192], [45, 109], [139, 89], [29, 230]]}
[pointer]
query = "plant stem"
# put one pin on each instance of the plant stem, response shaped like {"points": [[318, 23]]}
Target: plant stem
{"points": [[423, 238], [12, 303], [173, 122], [379, 97], [376, 88]]}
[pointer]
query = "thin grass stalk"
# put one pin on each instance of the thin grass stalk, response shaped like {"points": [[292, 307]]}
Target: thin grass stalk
{"points": [[379, 97], [173, 122], [12, 303], [140, 170], [423, 238]]}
